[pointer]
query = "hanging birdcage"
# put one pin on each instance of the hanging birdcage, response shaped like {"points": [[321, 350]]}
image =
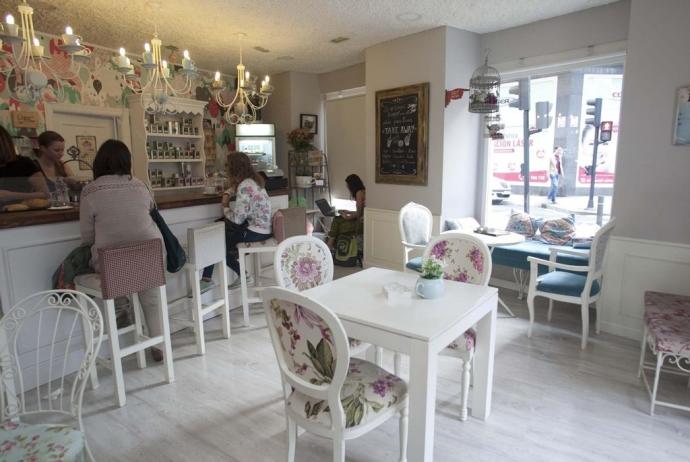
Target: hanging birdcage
{"points": [[485, 87]]}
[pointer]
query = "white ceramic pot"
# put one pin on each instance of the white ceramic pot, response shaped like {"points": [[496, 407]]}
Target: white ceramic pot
{"points": [[429, 288]]}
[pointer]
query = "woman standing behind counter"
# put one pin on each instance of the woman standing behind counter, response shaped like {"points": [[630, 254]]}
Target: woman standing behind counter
{"points": [[51, 148], [20, 177]]}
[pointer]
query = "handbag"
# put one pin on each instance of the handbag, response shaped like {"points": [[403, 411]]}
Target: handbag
{"points": [[175, 256]]}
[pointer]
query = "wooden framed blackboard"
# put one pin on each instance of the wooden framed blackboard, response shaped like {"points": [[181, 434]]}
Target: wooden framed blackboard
{"points": [[402, 116]]}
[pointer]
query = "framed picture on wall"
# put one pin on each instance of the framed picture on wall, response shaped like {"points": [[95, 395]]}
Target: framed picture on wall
{"points": [[309, 122], [402, 116], [681, 129], [86, 144]]}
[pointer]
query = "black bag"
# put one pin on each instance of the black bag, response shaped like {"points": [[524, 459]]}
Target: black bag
{"points": [[176, 257]]}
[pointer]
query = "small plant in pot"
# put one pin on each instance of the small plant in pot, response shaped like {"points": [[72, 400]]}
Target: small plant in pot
{"points": [[301, 142], [430, 282]]}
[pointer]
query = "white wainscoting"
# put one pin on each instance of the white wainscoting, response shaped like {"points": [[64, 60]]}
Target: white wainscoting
{"points": [[634, 266]]}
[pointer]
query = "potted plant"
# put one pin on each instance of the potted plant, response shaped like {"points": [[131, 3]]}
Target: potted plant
{"points": [[301, 141], [430, 283]]}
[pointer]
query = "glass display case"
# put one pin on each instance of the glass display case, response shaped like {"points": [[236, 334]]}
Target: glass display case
{"points": [[258, 142]]}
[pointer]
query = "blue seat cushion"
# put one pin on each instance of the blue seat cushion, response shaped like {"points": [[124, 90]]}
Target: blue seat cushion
{"points": [[415, 264], [515, 256], [565, 283], [41, 442]]}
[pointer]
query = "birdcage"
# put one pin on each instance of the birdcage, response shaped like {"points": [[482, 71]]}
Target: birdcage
{"points": [[485, 87]]}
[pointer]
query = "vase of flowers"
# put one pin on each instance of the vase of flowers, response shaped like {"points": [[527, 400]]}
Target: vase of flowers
{"points": [[430, 283], [301, 141]]}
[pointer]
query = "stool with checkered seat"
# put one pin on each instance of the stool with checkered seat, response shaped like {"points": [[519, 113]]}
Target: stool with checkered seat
{"points": [[125, 271], [206, 247]]}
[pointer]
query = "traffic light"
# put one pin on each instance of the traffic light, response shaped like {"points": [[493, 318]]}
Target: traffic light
{"points": [[543, 111], [594, 109], [521, 90], [605, 131]]}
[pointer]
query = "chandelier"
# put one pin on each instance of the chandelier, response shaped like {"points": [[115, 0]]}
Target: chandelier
{"points": [[28, 62], [155, 85], [247, 100]]}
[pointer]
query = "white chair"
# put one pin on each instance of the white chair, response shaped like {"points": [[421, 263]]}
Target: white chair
{"points": [[327, 392], [285, 223], [303, 262], [416, 222], [567, 285], [126, 271], [206, 247], [48, 345]]}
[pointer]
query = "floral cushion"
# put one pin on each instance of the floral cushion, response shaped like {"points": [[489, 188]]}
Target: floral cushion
{"points": [[463, 344], [462, 260], [667, 317], [265, 243], [523, 223], [368, 390], [304, 265], [558, 231], [34, 443]]}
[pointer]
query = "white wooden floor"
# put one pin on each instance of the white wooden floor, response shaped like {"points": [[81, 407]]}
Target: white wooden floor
{"points": [[552, 402]]}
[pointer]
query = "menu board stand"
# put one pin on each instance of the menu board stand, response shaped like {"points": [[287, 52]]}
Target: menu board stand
{"points": [[402, 116]]}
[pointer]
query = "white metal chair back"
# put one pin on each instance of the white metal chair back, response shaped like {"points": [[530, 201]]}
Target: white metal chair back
{"points": [[206, 244], [464, 257], [303, 262], [415, 222], [311, 347], [597, 253], [43, 339]]}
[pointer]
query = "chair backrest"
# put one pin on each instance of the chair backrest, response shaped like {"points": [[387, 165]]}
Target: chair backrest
{"points": [[600, 242], [131, 268], [206, 244], [48, 344], [302, 262], [289, 222], [464, 257], [415, 222], [311, 347]]}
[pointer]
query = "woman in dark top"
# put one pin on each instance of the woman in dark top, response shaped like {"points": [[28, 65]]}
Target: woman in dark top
{"points": [[51, 148], [347, 222], [20, 177]]}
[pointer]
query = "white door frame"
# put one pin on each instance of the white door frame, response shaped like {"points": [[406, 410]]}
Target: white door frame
{"points": [[119, 116]]}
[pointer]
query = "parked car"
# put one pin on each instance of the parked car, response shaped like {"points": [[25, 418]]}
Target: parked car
{"points": [[500, 190]]}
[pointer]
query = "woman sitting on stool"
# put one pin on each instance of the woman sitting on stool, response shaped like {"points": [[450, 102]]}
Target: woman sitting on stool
{"points": [[347, 222], [249, 218]]}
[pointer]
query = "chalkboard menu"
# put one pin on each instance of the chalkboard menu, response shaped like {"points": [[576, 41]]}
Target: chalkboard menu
{"points": [[401, 135]]}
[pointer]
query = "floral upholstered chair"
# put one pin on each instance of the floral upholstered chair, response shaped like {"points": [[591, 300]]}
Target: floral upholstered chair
{"points": [[303, 262], [464, 258], [577, 284], [327, 392], [40, 388]]}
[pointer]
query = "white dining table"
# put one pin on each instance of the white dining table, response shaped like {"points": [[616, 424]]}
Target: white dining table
{"points": [[420, 329]]}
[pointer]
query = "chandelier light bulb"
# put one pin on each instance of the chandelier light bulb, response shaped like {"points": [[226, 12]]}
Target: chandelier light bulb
{"points": [[185, 54], [147, 48], [122, 51], [36, 42], [164, 64], [9, 19], [217, 76], [268, 79], [69, 31]]}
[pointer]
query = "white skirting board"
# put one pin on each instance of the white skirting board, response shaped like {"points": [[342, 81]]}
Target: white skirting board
{"points": [[632, 267]]}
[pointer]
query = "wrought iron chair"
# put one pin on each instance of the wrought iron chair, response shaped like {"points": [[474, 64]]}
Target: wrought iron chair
{"points": [[416, 222], [48, 345]]}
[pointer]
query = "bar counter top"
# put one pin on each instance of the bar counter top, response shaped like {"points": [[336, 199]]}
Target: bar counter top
{"points": [[41, 217]]}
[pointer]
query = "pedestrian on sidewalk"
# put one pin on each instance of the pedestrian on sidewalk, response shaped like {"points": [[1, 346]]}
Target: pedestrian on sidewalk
{"points": [[555, 172]]}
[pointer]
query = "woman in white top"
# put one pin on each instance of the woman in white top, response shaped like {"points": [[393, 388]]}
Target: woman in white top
{"points": [[248, 218]]}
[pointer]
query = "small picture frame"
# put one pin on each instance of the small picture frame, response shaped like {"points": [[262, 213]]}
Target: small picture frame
{"points": [[309, 122], [681, 128], [87, 149]]}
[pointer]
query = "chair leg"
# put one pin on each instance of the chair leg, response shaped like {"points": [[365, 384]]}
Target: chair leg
{"points": [[397, 364], [226, 307], [659, 363], [115, 353], [292, 439], [338, 448], [585, 324], [165, 329], [643, 350], [597, 325], [93, 373], [465, 384], [139, 329], [244, 290], [196, 312], [530, 307], [403, 433], [548, 314]]}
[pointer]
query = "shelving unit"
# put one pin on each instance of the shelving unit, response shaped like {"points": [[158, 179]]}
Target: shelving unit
{"points": [[316, 167], [177, 136]]}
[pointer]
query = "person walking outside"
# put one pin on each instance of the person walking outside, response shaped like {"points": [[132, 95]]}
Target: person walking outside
{"points": [[555, 172]]}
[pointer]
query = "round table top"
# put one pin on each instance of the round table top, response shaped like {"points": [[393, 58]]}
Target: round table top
{"points": [[497, 241]]}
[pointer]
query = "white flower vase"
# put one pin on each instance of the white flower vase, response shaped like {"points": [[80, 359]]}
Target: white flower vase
{"points": [[429, 288]]}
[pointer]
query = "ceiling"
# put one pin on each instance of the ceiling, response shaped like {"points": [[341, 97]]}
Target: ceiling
{"points": [[296, 33]]}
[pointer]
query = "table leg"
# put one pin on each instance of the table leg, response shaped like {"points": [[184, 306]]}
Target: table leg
{"points": [[505, 307], [484, 364], [422, 402]]}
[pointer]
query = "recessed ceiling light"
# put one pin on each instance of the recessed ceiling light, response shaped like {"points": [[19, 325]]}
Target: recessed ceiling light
{"points": [[262, 49], [340, 39], [408, 17], [285, 58]]}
